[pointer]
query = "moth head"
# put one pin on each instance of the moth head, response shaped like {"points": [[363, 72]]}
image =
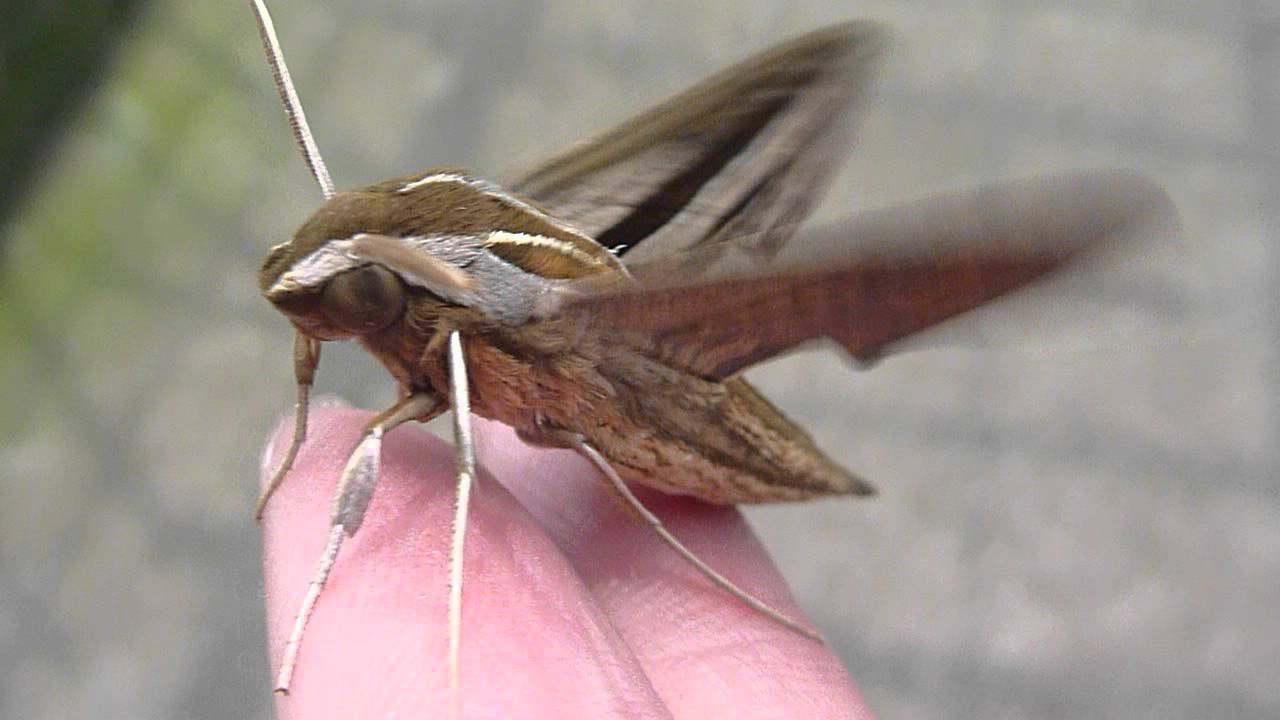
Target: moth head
{"points": [[355, 263], [322, 285]]}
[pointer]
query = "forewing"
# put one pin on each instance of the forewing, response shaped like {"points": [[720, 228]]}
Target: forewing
{"points": [[869, 282], [747, 151]]}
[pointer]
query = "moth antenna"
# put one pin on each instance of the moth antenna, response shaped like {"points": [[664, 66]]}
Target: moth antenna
{"points": [[633, 503], [315, 163], [350, 501], [289, 98], [466, 467]]}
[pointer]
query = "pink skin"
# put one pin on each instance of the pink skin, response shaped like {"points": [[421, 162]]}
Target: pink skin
{"points": [[572, 608]]}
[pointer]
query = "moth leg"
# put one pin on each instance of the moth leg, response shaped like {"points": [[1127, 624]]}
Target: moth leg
{"points": [[306, 356], [350, 501], [435, 345], [633, 504], [464, 443]]}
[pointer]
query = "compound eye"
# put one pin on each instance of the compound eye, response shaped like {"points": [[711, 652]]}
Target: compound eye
{"points": [[363, 300]]}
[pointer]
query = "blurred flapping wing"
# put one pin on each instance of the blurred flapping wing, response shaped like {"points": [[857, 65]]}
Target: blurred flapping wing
{"points": [[868, 282]]}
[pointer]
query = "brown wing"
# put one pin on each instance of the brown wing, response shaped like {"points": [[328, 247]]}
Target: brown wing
{"points": [[747, 150], [871, 281]]}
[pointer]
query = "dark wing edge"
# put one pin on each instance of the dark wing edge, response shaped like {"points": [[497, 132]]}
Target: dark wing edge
{"points": [[747, 150], [870, 282]]}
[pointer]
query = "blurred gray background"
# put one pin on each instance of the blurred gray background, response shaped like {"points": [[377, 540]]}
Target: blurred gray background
{"points": [[1092, 531]]}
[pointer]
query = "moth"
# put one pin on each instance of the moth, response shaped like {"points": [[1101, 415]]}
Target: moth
{"points": [[608, 299]]}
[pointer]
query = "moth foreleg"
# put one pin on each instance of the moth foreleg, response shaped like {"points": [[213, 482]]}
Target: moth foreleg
{"points": [[350, 501], [306, 357], [620, 490]]}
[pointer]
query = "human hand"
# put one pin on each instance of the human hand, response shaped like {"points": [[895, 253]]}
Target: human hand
{"points": [[571, 606]]}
